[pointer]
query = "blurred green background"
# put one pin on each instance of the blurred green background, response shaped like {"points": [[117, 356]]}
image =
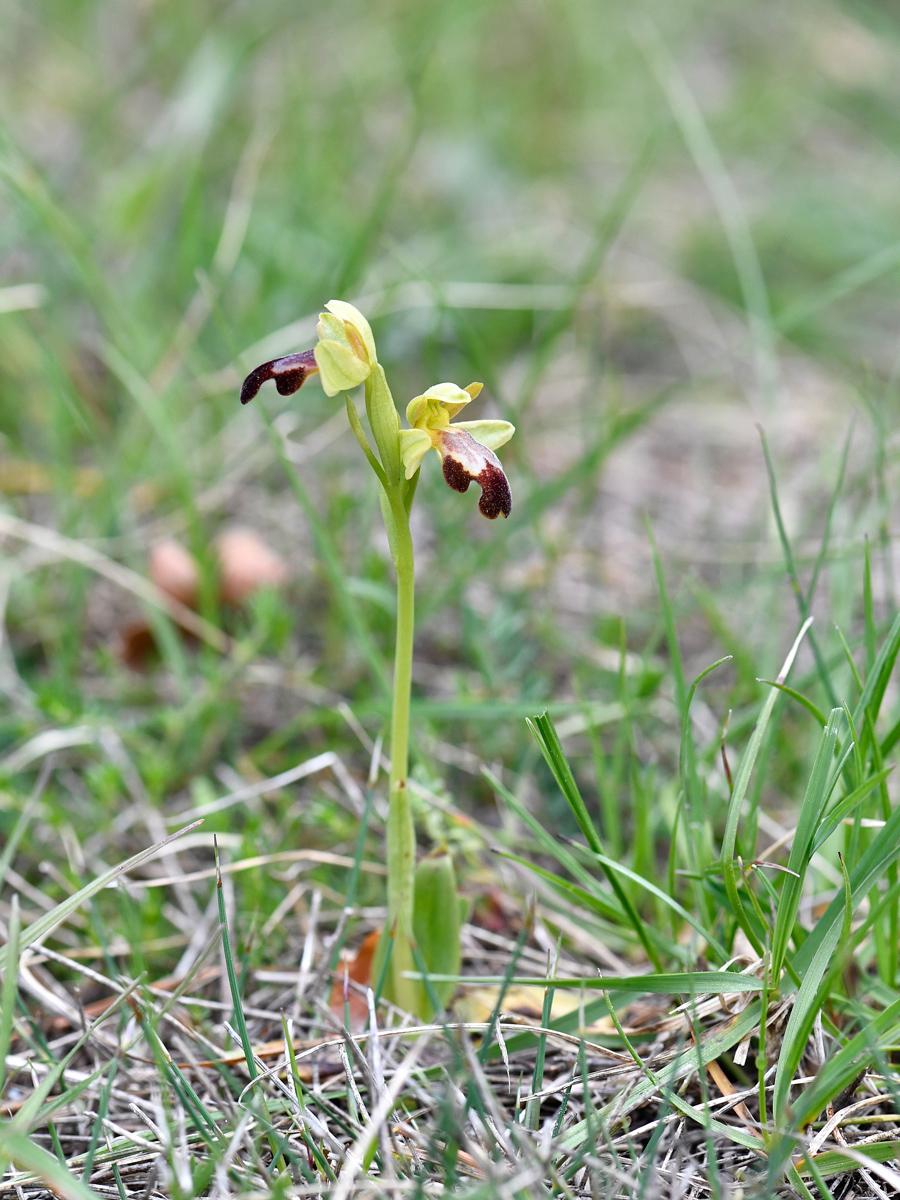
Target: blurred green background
{"points": [[647, 228]]}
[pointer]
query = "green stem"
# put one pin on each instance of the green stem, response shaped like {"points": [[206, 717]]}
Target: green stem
{"points": [[401, 838], [384, 423], [360, 434]]}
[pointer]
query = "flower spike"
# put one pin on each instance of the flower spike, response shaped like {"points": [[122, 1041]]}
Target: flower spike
{"points": [[466, 448], [290, 373]]}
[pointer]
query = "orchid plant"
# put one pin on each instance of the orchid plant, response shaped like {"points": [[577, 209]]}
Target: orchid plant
{"points": [[423, 908]]}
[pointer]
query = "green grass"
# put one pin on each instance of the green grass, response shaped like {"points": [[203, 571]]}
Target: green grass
{"points": [[648, 233]]}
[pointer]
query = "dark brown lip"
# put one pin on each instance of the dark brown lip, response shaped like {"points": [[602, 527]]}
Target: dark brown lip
{"points": [[495, 494], [289, 373]]}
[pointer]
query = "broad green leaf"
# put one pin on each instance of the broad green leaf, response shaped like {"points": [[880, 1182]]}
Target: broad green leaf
{"points": [[436, 924]]}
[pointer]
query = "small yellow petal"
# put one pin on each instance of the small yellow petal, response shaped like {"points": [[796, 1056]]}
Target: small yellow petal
{"points": [[437, 406]]}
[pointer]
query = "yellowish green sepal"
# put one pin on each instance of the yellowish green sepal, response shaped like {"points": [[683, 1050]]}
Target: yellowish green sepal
{"points": [[492, 434], [345, 354], [339, 368]]}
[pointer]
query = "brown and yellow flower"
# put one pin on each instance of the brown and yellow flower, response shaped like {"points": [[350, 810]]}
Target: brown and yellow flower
{"points": [[466, 448], [344, 356]]}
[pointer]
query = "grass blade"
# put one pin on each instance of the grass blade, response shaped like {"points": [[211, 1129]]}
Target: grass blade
{"points": [[883, 850], [836, 1074], [547, 739], [741, 788], [806, 1004], [9, 987], [48, 921], [20, 1150], [791, 566], [691, 983], [814, 801]]}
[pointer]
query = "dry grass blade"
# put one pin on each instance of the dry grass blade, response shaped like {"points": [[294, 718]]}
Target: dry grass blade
{"points": [[355, 1155], [59, 913]]}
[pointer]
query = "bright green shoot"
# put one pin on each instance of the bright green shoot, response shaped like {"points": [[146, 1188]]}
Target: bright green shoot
{"points": [[345, 358]]}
